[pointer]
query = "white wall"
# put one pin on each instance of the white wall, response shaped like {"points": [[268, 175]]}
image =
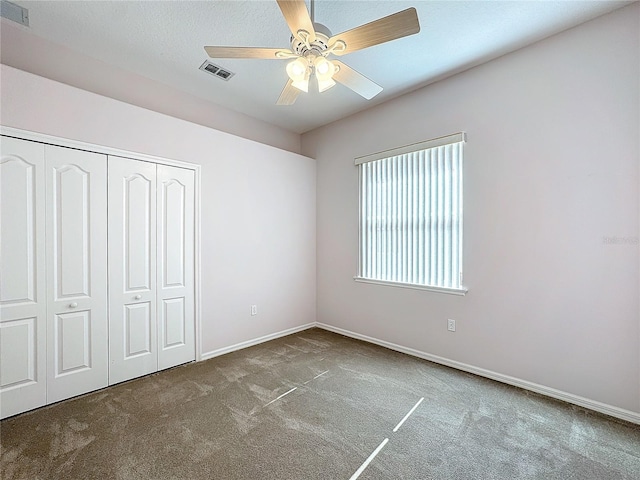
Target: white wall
{"points": [[258, 202], [551, 168]]}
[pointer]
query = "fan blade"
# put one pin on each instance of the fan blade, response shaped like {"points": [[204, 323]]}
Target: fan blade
{"points": [[355, 81], [288, 95], [245, 52], [383, 30], [297, 16]]}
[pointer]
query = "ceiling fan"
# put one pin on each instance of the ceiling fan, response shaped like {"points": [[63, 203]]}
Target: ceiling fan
{"points": [[312, 43]]}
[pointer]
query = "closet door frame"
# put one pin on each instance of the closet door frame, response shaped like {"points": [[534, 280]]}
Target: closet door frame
{"points": [[90, 147]]}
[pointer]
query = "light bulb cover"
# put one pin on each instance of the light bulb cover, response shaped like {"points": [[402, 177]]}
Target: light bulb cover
{"points": [[324, 68], [325, 84], [324, 73], [302, 84], [299, 72], [296, 69]]}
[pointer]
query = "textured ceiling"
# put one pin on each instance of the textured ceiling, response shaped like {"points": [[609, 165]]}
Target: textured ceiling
{"points": [[164, 41]]}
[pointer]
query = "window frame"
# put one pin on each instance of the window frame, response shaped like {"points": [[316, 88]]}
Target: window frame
{"points": [[459, 137]]}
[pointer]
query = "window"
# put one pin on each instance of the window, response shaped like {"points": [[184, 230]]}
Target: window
{"points": [[411, 215]]}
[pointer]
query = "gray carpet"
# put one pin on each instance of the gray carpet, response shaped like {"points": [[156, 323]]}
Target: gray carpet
{"points": [[214, 420]]}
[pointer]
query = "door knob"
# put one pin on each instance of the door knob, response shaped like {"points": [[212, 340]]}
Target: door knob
{"points": [[73, 305], [138, 297]]}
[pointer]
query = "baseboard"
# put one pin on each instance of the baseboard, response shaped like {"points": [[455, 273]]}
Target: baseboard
{"points": [[627, 415], [255, 341]]}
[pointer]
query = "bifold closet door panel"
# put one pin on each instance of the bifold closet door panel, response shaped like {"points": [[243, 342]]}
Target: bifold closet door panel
{"points": [[176, 318], [23, 301], [76, 231], [132, 269]]}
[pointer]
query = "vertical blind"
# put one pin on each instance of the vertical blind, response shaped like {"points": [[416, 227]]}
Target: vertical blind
{"points": [[411, 214]]}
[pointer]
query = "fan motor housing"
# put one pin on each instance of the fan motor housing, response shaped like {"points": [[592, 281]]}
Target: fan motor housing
{"points": [[318, 46]]}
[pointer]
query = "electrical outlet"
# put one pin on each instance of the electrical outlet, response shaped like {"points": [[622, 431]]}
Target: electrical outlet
{"points": [[254, 309], [451, 325]]}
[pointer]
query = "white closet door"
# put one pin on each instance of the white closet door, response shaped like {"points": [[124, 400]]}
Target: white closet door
{"points": [[176, 319], [23, 302], [76, 212], [132, 269]]}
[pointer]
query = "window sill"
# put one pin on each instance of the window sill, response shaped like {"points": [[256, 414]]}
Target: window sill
{"points": [[451, 291]]}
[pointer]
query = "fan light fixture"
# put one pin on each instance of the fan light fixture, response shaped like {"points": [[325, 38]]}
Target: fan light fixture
{"points": [[299, 72], [324, 73]]}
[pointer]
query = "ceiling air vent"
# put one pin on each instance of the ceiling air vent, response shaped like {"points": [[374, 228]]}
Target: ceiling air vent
{"points": [[216, 70], [14, 12]]}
